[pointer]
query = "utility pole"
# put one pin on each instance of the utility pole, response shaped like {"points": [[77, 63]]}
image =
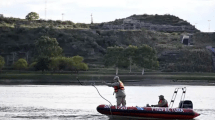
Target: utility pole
{"points": [[195, 24], [45, 9], [62, 16], [91, 18], [209, 26]]}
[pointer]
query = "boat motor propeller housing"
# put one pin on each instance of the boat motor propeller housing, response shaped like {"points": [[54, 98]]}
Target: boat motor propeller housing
{"points": [[186, 104]]}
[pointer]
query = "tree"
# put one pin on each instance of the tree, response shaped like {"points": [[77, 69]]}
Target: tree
{"points": [[47, 47], [79, 64], [116, 57], [32, 65], [130, 53], [83, 66], [54, 64], [70, 63], [32, 16], [2, 62], [145, 57], [42, 64], [20, 64], [63, 62]]}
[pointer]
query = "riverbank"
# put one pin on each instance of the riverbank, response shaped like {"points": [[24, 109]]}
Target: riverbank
{"points": [[150, 78]]}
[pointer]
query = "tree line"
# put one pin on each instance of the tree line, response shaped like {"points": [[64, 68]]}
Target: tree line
{"points": [[48, 56], [143, 56]]}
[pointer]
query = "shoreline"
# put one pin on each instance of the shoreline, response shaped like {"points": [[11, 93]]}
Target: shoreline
{"points": [[147, 82], [150, 78]]}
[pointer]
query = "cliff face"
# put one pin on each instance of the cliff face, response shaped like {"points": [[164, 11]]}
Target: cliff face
{"points": [[163, 23]]}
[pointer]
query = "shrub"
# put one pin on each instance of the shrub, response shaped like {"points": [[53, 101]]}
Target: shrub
{"points": [[2, 62], [21, 64]]}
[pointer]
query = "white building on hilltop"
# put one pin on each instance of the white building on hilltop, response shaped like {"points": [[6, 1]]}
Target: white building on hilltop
{"points": [[130, 20]]}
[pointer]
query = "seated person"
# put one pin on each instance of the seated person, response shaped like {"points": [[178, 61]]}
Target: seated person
{"points": [[161, 103]]}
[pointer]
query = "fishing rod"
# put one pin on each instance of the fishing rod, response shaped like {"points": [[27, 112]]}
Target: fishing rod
{"points": [[93, 84], [78, 80]]}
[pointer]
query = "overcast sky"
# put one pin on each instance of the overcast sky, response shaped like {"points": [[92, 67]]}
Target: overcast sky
{"points": [[197, 12]]}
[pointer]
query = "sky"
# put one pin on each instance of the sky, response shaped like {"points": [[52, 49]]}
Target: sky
{"points": [[196, 12]]}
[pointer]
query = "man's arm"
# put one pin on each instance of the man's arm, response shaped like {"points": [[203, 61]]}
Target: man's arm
{"points": [[111, 84]]}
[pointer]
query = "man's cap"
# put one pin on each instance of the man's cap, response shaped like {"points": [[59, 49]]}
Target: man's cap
{"points": [[116, 78], [161, 96]]}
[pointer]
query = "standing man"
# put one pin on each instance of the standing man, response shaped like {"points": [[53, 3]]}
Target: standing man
{"points": [[119, 90]]}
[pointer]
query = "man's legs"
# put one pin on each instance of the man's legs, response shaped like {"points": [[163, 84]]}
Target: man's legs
{"points": [[121, 100], [118, 101]]}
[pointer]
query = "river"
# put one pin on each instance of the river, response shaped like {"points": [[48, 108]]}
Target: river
{"points": [[66, 102]]}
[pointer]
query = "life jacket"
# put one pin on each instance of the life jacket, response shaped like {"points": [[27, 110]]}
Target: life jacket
{"points": [[121, 86], [160, 101]]}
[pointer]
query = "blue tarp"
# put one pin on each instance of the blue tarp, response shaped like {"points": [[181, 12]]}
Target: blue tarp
{"points": [[213, 50]]}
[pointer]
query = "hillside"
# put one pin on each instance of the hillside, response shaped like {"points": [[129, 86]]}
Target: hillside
{"points": [[18, 42], [156, 19], [17, 22], [162, 23]]}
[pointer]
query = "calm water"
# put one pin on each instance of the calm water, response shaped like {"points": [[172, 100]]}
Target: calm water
{"points": [[22, 102]]}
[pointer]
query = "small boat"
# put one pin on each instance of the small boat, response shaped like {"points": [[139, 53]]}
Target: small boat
{"points": [[184, 110], [148, 112]]}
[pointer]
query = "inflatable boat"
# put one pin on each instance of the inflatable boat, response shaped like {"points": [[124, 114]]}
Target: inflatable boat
{"points": [[148, 112], [184, 110]]}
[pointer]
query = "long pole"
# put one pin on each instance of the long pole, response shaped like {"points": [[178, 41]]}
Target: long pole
{"points": [[195, 24], [91, 18], [45, 9], [62, 16], [209, 26]]}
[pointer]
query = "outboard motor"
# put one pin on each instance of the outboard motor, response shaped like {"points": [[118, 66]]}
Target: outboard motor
{"points": [[186, 104]]}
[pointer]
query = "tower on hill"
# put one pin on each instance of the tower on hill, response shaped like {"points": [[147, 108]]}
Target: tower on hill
{"points": [[91, 18]]}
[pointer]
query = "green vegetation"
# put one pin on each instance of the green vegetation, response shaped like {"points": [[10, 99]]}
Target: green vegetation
{"points": [[2, 62], [143, 56], [24, 23], [42, 64], [166, 19], [195, 60], [78, 63], [32, 16], [18, 36], [21, 64], [74, 63], [47, 47], [54, 64], [32, 65], [48, 56], [115, 57], [130, 53]]}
